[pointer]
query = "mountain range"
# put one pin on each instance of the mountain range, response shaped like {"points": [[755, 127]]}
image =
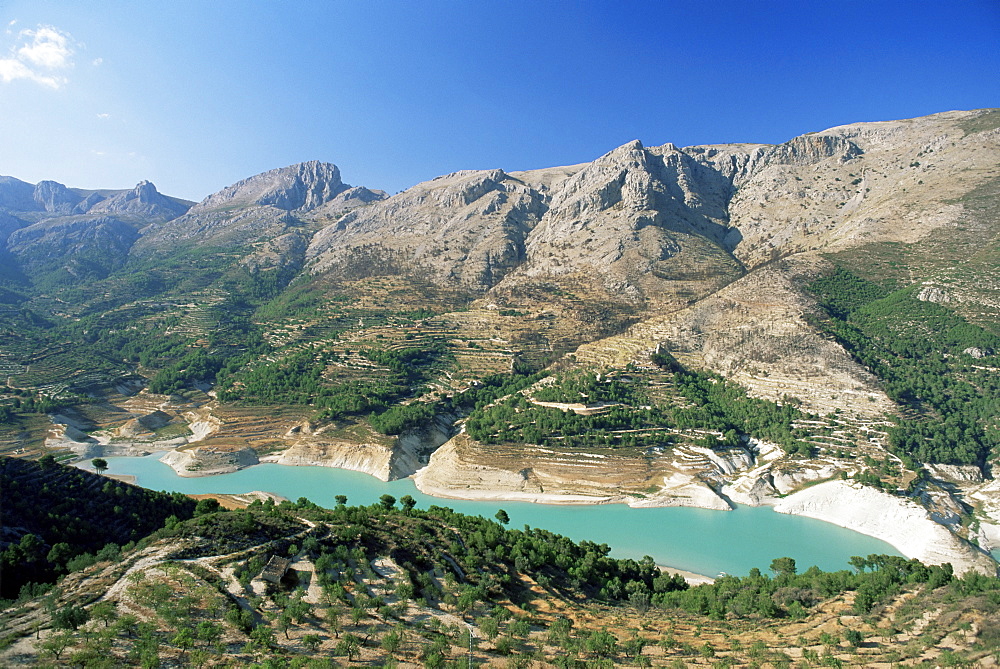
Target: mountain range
{"points": [[695, 325]]}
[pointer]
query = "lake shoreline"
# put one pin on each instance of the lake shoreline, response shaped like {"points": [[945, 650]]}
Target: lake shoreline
{"points": [[695, 541]]}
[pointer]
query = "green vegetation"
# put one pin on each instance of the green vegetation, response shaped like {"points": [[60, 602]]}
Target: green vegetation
{"points": [[788, 594], [300, 379], [18, 402], [629, 410], [64, 518], [485, 556], [393, 577], [917, 349]]}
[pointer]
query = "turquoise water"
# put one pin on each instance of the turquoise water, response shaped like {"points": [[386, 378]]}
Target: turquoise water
{"points": [[698, 540]]}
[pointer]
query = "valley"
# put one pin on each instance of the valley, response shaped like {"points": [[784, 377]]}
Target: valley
{"points": [[812, 325]]}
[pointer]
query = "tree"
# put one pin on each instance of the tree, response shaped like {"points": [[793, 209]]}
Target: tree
{"points": [[312, 642], [60, 554], [100, 465], [387, 501], [298, 609], [333, 620], [407, 502], [357, 613], [341, 500], [783, 566], [602, 643], [184, 639], [283, 622], [854, 637], [206, 506], [349, 646], [391, 643], [489, 627], [263, 635], [208, 631], [502, 516], [54, 644], [70, 617], [105, 611], [633, 646]]}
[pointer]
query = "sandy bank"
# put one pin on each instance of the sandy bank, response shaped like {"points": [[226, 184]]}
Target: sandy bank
{"points": [[691, 577]]}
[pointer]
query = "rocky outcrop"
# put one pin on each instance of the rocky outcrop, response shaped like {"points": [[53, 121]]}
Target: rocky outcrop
{"points": [[143, 201], [370, 458], [17, 195], [61, 435], [933, 294], [636, 224], [385, 458], [449, 475], [682, 489], [98, 242], [812, 149], [73, 234], [207, 461], [55, 198], [956, 473]]}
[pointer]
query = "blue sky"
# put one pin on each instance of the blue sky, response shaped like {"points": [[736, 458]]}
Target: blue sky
{"points": [[197, 95]]}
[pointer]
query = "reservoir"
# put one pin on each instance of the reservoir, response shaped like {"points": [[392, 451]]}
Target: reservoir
{"points": [[699, 540]]}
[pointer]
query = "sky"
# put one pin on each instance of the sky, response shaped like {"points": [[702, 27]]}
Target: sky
{"points": [[195, 96]]}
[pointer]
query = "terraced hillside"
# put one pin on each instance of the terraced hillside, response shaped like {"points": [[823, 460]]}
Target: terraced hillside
{"points": [[299, 585]]}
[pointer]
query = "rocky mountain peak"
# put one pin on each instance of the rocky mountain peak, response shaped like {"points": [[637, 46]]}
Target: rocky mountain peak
{"points": [[55, 197], [302, 187], [145, 191], [143, 200]]}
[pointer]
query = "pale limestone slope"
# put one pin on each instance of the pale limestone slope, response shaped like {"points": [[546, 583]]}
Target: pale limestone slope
{"points": [[898, 521]]}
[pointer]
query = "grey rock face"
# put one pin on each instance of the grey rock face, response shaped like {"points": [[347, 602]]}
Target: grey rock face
{"points": [[811, 149], [143, 201], [8, 224], [933, 294], [271, 212], [297, 187], [55, 198], [87, 203], [624, 223], [352, 198], [466, 228]]}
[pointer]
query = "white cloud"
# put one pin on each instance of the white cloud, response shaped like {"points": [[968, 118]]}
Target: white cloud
{"points": [[96, 61], [104, 116], [40, 56], [48, 49]]}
